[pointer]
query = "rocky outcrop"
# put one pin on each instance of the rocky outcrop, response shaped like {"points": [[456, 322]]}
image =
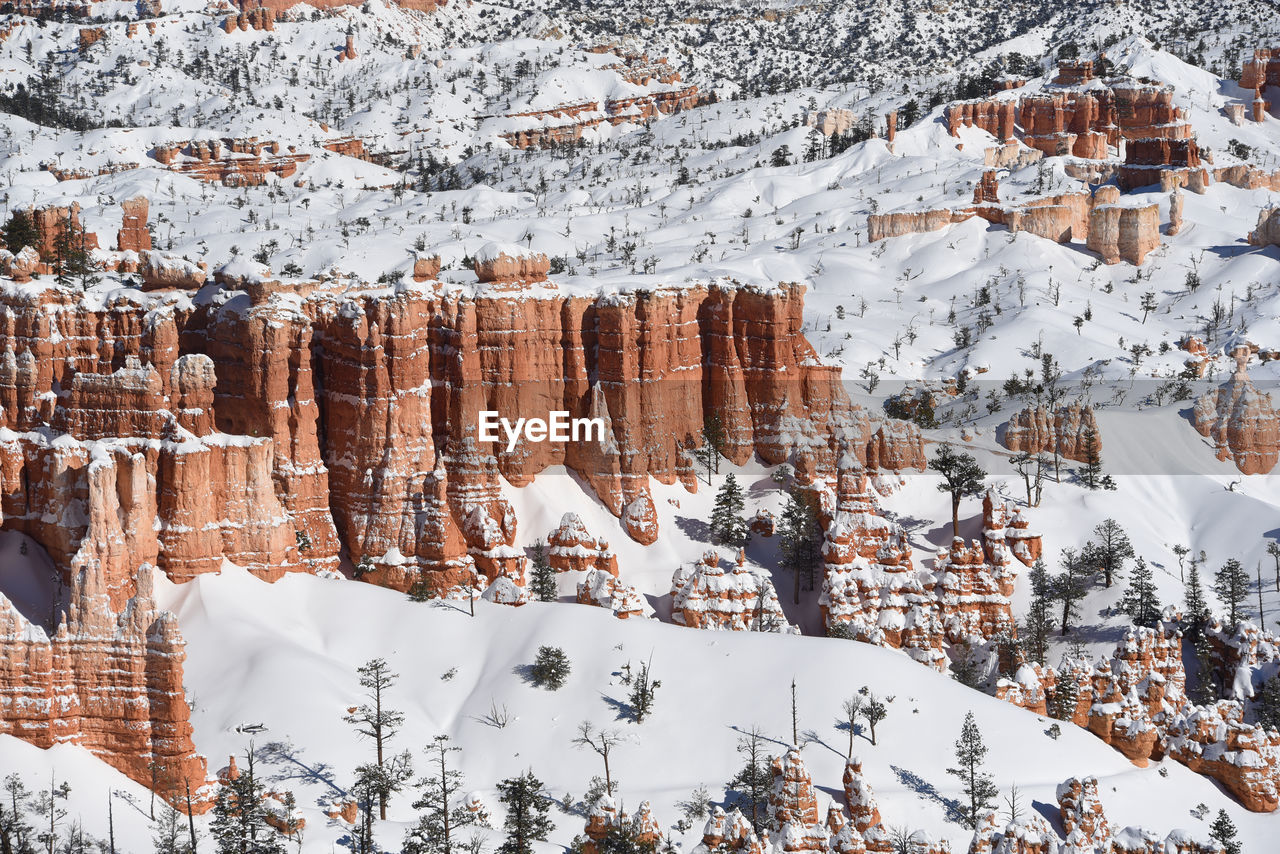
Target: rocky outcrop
{"points": [[793, 806], [1073, 72], [1262, 70], [1029, 835], [1122, 232], [729, 832], [900, 223], [604, 816], [1032, 431], [829, 122], [1267, 231], [710, 595], [1240, 420], [1176, 202], [108, 679], [212, 421], [257, 18], [1003, 529], [509, 264], [864, 813], [52, 222], [996, 117], [134, 236], [604, 590], [1146, 160], [565, 123], [241, 162], [161, 271], [571, 548], [1244, 758]]}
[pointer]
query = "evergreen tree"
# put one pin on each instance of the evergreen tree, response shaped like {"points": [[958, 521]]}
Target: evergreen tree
{"points": [[799, 538], [643, 689], [543, 576], [1040, 616], [170, 832], [439, 817], [1110, 551], [728, 527], [15, 831], [749, 788], [1066, 693], [1070, 586], [1231, 584], [1224, 830], [1092, 474], [20, 231], [1141, 599], [375, 721], [708, 453], [1267, 705], [1197, 612], [976, 784], [240, 818], [873, 712], [961, 476], [550, 667], [526, 821]]}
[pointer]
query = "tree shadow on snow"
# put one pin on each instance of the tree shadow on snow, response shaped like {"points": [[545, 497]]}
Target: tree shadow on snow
{"points": [[697, 530], [525, 672], [288, 759], [624, 709], [925, 789]]}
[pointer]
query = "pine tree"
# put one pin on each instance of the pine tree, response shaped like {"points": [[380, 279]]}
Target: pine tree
{"points": [[526, 821], [1110, 551], [708, 453], [15, 830], [874, 712], [728, 527], [1141, 599], [961, 476], [550, 667], [1092, 474], [1231, 584], [1040, 616], [750, 787], [799, 538], [1267, 704], [20, 231], [170, 832], [374, 721], [240, 818], [976, 784], [543, 576], [1070, 586], [439, 817], [1224, 830], [1197, 612], [1065, 695], [643, 689]]}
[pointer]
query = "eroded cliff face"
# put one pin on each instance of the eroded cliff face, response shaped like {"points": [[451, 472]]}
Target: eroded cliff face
{"points": [[280, 431], [107, 679]]}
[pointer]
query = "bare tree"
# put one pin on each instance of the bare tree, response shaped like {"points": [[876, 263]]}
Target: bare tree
{"points": [[602, 742], [852, 711]]}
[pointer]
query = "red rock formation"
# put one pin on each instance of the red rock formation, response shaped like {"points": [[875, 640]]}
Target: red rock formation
{"points": [[257, 18], [899, 223], [349, 51], [706, 595], [988, 189], [565, 123], [1261, 71], [52, 221], [1241, 421], [1002, 530], [162, 271], [1145, 159], [109, 680], [232, 162], [1074, 72], [1081, 811], [731, 832], [22, 266], [571, 548], [864, 814], [604, 590], [507, 264], [426, 267], [1124, 233], [996, 117], [1031, 835], [1176, 200], [89, 36], [1267, 231], [793, 806], [890, 127], [134, 235], [1244, 758], [1029, 431], [829, 122], [973, 594]]}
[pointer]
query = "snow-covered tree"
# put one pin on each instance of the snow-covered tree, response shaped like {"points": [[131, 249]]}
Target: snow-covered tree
{"points": [[643, 690], [239, 823], [1070, 586], [375, 721], [526, 821], [874, 711], [1141, 599], [542, 578], [728, 527], [550, 667], [976, 784], [439, 813], [961, 476], [1231, 584], [1109, 551], [799, 538], [1223, 830], [1039, 621], [1196, 611], [749, 788]]}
